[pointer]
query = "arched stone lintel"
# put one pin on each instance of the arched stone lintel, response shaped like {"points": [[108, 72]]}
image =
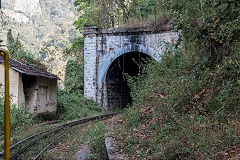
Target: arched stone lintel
{"points": [[120, 51]]}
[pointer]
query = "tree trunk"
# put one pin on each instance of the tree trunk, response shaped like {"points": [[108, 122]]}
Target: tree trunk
{"points": [[104, 14], [125, 10], [112, 13]]}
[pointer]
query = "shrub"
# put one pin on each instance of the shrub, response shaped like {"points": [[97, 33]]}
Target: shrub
{"points": [[212, 24], [184, 108], [75, 105], [71, 102], [19, 118], [187, 106], [73, 81]]}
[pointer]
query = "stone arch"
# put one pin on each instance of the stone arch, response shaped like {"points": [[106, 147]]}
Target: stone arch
{"points": [[120, 51]]}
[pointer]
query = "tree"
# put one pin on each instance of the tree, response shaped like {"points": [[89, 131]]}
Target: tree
{"points": [[104, 13], [213, 24], [73, 81]]}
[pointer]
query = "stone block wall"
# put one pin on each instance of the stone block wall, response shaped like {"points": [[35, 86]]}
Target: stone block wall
{"points": [[90, 56], [102, 47]]}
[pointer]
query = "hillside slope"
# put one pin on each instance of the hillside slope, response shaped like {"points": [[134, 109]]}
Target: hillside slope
{"points": [[44, 27], [187, 106]]}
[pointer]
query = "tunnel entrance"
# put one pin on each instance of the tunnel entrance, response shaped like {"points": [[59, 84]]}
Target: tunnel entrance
{"points": [[118, 91]]}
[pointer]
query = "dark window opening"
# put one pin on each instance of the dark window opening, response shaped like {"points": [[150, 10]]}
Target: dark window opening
{"points": [[118, 91], [29, 83]]}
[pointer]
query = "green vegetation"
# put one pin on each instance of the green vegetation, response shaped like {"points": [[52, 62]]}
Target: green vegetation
{"points": [[71, 102], [115, 13], [74, 77], [68, 146], [96, 142], [17, 52], [74, 105], [212, 25], [19, 118], [187, 106]]}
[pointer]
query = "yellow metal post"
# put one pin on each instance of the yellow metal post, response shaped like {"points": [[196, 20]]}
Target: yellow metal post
{"points": [[6, 106]]}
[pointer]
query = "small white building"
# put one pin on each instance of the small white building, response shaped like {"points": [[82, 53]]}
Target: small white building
{"points": [[32, 87]]}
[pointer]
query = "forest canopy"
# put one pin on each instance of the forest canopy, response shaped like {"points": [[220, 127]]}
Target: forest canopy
{"points": [[115, 13]]}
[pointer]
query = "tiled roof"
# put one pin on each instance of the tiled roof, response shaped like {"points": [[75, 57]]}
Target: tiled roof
{"points": [[27, 69]]}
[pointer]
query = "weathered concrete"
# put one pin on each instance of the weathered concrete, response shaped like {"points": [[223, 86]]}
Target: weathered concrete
{"points": [[83, 153], [102, 47], [15, 88], [38, 94], [41, 96], [112, 151]]}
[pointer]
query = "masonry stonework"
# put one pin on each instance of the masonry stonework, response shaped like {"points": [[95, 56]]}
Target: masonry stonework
{"points": [[102, 47]]}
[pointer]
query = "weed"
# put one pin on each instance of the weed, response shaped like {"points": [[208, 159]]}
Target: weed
{"points": [[96, 139], [19, 120], [183, 109], [74, 105]]}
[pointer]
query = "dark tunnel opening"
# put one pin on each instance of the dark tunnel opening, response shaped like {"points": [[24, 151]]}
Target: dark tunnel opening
{"points": [[118, 91]]}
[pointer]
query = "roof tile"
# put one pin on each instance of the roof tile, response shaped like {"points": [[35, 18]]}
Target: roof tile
{"points": [[27, 69]]}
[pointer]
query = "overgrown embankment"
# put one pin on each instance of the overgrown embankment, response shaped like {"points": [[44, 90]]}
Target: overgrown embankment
{"points": [[71, 102], [187, 106]]}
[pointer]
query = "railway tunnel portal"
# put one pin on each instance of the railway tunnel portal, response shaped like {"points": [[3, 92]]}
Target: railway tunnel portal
{"points": [[118, 91], [110, 54]]}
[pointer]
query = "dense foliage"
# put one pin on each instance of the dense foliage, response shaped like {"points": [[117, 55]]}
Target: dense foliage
{"points": [[73, 81], [115, 13], [71, 102], [213, 24], [187, 106], [74, 105], [17, 52]]}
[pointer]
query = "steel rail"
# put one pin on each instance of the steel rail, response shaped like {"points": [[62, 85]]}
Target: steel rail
{"points": [[19, 152], [60, 126], [51, 130], [48, 145], [45, 148], [26, 139]]}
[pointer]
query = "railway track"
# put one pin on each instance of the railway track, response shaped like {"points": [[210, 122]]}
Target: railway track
{"points": [[54, 134]]}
